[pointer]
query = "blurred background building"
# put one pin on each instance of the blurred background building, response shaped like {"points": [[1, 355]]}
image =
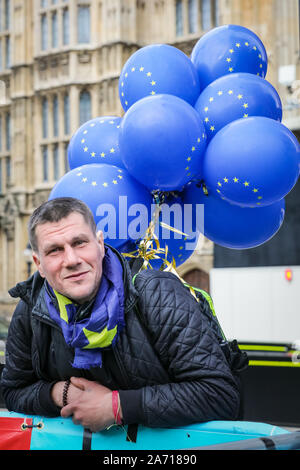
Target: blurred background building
{"points": [[60, 61]]}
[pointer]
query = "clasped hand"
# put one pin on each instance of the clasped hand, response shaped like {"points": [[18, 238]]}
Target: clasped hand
{"points": [[90, 404]]}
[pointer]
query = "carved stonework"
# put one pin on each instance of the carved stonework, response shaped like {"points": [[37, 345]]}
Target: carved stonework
{"points": [[39, 197], [84, 57], [9, 211]]}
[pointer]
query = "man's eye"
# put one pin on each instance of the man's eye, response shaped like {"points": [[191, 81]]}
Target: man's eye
{"points": [[54, 250], [80, 242]]}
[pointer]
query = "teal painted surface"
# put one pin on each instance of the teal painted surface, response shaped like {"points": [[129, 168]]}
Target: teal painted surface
{"points": [[63, 434]]}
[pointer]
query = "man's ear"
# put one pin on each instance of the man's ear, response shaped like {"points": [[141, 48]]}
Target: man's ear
{"points": [[100, 239], [99, 236], [37, 262]]}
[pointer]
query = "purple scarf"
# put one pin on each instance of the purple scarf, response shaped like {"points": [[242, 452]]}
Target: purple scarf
{"points": [[101, 327]]}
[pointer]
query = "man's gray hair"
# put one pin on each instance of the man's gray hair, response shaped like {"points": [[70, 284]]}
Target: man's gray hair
{"points": [[56, 210]]}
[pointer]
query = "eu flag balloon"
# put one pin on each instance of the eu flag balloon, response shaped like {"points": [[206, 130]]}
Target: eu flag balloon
{"points": [[96, 141], [232, 226], [237, 96], [162, 141], [226, 50], [121, 206], [252, 162], [158, 68]]}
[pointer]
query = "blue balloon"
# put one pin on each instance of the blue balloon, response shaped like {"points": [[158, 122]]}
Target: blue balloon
{"points": [[162, 142], [96, 141], [233, 226], [158, 68], [121, 206], [180, 245], [226, 50], [252, 162], [237, 96]]}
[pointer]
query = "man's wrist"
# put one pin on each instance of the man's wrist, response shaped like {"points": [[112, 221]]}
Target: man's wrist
{"points": [[57, 393], [116, 407]]}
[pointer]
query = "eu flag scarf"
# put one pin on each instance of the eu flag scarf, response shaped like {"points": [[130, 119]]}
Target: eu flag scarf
{"points": [[100, 328]]}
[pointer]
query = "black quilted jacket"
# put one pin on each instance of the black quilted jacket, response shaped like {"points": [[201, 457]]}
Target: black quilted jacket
{"points": [[167, 365]]}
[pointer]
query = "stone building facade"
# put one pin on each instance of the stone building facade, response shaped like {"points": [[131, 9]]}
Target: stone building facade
{"points": [[60, 61]]}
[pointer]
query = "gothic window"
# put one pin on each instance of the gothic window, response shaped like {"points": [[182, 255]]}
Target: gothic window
{"points": [[7, 131], [5, 59], [66, 114], [45, 117], [5, 146], [179, 18], [209, 14], [8, 170], [206, 15], [55, 162], [7, 14], [66, 160], [66, 27], [45, 163], [54, 24], [55, 116], [54, 30], [44, 32], [84, 107], [193, 16], [83, 24], [7, 52]]}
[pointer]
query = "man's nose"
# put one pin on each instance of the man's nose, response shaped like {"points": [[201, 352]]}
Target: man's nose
{"points": [[70, 257]]}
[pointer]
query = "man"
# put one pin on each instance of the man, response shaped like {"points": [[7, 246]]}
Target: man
{"points": [[86, 342]]}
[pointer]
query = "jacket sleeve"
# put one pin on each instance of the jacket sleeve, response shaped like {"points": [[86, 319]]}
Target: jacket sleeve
{"points": [[201, 387], [22, 390]]}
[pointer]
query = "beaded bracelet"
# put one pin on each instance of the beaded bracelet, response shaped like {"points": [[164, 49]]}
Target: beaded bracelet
{"points": [[65, 392]]}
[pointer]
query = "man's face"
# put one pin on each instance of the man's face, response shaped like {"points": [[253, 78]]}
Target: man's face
{"points": [[70, 257]]}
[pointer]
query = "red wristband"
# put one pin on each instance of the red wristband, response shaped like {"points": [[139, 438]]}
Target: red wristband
{"points": [[116, 407]]}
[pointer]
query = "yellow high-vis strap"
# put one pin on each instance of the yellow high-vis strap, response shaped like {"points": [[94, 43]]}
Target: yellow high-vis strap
{"points": [[274, 363], [261, 347]]}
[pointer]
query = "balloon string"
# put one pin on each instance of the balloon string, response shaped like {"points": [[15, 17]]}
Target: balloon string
{"points": [[149, 247]]}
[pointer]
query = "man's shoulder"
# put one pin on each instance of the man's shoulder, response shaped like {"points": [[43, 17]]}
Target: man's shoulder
{"points": [[155, 277], [162, 288]]}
